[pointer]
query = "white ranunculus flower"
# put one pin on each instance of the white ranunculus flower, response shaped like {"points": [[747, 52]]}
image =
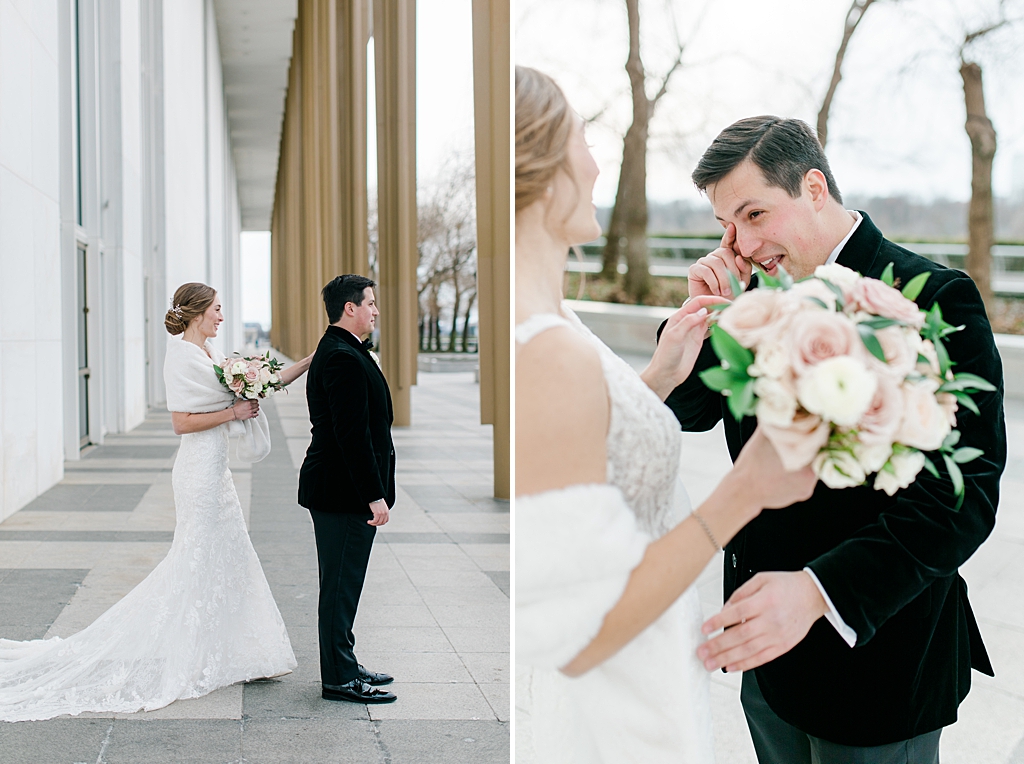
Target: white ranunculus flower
{"points": [[274, 378], [839, 275], [838, 390], [838, 469], [264, 375], [772, 360], [238, 367], [905, 466], [251, 394], [872, 457], [776, 404]]}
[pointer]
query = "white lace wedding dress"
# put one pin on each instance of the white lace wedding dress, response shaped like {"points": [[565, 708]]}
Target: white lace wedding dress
{"points": [[575, 549], [203, 619]]}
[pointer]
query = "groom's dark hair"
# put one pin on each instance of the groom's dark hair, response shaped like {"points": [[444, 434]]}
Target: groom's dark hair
{"points": [[783, 149], [341, 290]]}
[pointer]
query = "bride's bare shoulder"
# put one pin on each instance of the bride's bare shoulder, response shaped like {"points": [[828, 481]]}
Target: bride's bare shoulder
{"points": [[561, 412]]}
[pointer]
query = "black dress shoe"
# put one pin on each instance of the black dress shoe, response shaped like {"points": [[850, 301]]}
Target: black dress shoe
{"points": [[374, 677], [358, 691]]}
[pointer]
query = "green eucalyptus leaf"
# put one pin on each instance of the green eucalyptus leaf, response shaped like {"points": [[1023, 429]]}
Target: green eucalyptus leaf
{"points": [[718, 379], [867, 335], [886, 277], [974, 381], [966, 454], [784, 278], [930, 467], [734, 284], [951, 440], [880, 323], [945, 364], [818, 302], [767, 280], [915, 285], [967, 402], [836, 291], [741, 404], [730, 351], [955, 475]]}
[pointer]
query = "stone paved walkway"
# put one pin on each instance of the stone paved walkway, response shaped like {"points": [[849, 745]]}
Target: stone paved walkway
{"points": [[435, 610]]}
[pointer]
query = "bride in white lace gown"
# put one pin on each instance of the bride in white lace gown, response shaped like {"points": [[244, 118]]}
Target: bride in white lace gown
{"points": [[607, 547], [204, 618]]}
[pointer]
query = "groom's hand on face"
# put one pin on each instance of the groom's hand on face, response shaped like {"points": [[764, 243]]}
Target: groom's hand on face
{"points": [[710, 274], [763, 619]]}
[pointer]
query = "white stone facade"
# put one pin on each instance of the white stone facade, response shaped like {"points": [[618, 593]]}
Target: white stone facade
{"points": [[116, 108]]}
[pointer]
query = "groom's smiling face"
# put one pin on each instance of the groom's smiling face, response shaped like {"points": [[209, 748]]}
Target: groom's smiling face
{"points": [[772, 228]]}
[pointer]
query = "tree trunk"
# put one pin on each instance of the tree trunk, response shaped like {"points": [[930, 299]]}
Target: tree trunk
{"points": [[853, 18], [613, 240], [983, 150], [629, 215], [465, 323], [455, 319]]}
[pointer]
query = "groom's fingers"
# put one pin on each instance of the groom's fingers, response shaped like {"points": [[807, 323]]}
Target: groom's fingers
{"points": [[710, 274]]}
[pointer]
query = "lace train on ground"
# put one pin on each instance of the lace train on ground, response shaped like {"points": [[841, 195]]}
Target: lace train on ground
{"points": [[203, 619]]}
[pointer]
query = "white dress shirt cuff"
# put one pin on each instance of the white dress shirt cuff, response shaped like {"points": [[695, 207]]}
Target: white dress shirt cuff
{"points": [[832, 616]]}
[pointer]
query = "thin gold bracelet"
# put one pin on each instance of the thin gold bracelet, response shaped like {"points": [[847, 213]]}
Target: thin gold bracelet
{"points": [[707, 530]]}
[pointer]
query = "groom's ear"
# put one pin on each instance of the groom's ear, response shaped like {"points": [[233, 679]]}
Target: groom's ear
{"points": [[816, 186]]}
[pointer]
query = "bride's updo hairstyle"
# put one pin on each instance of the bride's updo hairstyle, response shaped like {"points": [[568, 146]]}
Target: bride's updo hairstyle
{"points": [[543, 127], [190, 301]]}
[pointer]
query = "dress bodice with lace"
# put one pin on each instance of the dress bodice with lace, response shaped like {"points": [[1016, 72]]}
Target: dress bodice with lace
{"points": [[651, 701], [204, 618]]}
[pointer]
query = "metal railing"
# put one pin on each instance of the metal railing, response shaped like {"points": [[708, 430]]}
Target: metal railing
{"points": [[673, 258]]}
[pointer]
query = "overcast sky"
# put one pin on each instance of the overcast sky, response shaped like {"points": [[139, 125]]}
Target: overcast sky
{"points": [[897, 122]]}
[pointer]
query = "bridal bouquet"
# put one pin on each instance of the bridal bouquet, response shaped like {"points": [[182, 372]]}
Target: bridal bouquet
{"points": [[251, 377], [846, 374]]}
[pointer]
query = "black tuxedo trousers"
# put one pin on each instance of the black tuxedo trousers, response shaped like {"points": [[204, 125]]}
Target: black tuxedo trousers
{"points": [[349, 464], [889, 564]]}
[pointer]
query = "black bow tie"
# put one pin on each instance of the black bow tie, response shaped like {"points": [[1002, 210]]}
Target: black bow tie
{"points": [[367, 344]]}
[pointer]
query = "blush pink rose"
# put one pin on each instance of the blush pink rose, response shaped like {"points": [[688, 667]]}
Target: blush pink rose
{"points": [[800, 442], [252, 373], [925, 423], [236, 385], [873, 296], [817, 335], [756, 315], [948, 403], [878, 425]]}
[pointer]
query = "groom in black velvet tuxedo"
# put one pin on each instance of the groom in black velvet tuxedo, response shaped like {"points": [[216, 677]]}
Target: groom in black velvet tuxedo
{"points": [[846, 612], [347, 480]]}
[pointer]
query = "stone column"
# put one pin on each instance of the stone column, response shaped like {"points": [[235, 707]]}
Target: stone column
{"points": [[319, 221], [394, 34], [352, 25], [492, 94]]}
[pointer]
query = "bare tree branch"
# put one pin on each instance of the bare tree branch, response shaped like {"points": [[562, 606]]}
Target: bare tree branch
{"points": [[853, 19]]}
